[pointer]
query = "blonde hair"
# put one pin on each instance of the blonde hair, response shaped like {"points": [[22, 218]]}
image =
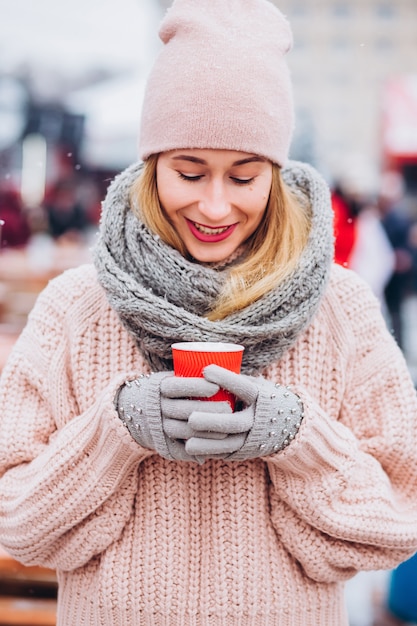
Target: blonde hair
{"points": [[274, 248]]}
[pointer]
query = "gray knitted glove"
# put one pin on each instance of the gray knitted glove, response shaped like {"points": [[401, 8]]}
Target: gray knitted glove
{"points": [[268, 422], [155, 409]]}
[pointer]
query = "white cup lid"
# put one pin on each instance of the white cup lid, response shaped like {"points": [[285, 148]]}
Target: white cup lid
{"points": [[207, 346]]}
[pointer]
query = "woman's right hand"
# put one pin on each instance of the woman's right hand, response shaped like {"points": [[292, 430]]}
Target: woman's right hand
{"points": [[155, 409]]}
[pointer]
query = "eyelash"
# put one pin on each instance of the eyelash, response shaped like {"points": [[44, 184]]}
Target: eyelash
{"points": [[189, 179], [242, 181], [238, 181]]}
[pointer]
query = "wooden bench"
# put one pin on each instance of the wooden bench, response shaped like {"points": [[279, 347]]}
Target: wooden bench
{"points": [[13, 570], [27, 594], [16, 611]]}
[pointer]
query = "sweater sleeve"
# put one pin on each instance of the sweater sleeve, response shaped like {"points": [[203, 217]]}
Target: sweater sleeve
{"points": [[346, 486], [66, 489]]}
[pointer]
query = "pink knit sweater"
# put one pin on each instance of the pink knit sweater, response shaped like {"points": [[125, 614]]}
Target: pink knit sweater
{"points": [[138, 540]]}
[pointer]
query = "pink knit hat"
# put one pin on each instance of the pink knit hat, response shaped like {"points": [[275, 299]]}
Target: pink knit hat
{"points": [[220, 81]]}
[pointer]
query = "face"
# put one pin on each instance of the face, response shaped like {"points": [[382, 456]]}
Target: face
{"points": [[215, 199]]}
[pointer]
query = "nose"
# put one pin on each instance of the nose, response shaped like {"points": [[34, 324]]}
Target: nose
{"points": [[214, 203]]}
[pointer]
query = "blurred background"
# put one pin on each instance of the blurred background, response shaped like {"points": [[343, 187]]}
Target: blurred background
{"points": [[72, 79]]}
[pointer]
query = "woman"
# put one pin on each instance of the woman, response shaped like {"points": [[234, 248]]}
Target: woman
{"points": [[158, 509]]}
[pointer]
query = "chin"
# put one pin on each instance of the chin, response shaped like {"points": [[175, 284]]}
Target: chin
{"points": [[216, 255]]}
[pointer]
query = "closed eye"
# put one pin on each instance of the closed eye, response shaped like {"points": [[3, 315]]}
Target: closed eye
{"points": [[189, 178], [242, 181]]}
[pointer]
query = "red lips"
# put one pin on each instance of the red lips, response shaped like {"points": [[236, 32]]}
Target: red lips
{"points": [[207, 237]]}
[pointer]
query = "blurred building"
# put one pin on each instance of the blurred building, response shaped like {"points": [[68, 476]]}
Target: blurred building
{"points": [[352, 62], [69, 102], [346, 54], [354, 68]]}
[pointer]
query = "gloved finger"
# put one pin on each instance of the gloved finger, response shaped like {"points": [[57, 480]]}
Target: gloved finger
{"points": [[181, 409], [207, 447], [178, 387], [239, 422], [241, 386], [177, 429], [178, 452], [205, 434]]}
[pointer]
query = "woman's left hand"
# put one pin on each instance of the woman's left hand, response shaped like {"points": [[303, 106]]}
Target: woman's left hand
{"points": [[267, 423]]}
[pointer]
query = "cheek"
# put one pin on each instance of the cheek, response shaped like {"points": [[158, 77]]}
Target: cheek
{"points": [[169, 197], [166, 183], [173, 195], [256, 211], [257, 196], [256, 204]]}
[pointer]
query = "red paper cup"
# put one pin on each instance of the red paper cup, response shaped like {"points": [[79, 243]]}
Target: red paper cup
{"points": [[191, 357]]}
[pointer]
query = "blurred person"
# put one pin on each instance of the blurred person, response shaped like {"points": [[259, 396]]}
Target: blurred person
{"points": [[16, 230], [362, 245], [412, 241], [399, 601], [64, 212], [345, 210], [402, 596], [396, 224], [372, 255], [410, 306], [400, 605], [360, 239], [156, 505]]}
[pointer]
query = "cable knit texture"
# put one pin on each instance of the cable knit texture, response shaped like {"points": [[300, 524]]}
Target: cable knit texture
{"points": [[140, 540]]}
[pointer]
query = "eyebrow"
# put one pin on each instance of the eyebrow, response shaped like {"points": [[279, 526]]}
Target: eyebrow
{"points": [[193, 159]]}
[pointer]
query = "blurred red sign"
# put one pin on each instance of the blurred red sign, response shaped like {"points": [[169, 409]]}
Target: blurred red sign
{"points": [[399, 134]]}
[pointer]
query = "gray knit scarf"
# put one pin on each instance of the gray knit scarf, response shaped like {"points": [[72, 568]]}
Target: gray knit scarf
{"points": [[161, 297]]}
